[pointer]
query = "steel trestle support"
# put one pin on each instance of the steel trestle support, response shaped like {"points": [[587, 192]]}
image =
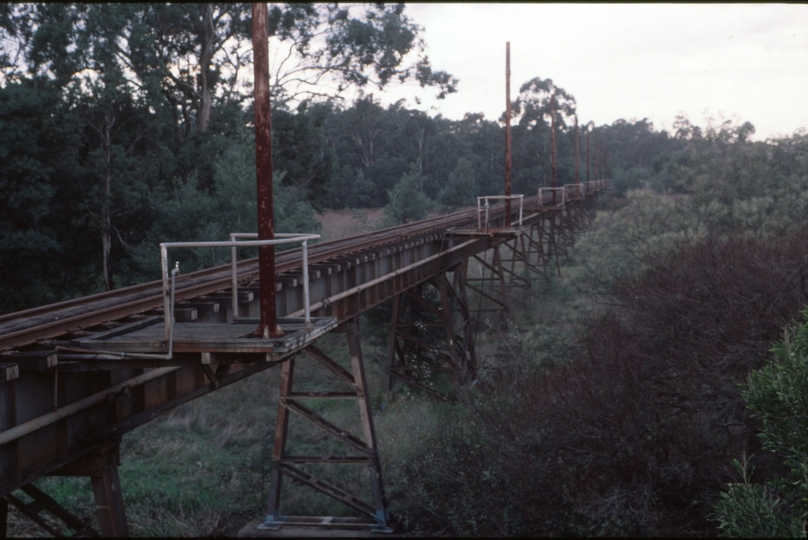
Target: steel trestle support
{"points": [[101, 466], [432, 332], [362, 451]]}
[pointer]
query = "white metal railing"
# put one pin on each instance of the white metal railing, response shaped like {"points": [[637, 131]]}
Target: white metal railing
{"points": [[233, 244], [483, 209], [573, 191], [554, 191]]}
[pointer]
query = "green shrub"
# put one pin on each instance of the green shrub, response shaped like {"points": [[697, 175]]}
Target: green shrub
{"points": [[407, 200], [778, 396]]}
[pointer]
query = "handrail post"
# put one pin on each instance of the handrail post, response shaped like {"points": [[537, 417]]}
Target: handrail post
{"points": [[174, 273], [166, 292], [521, 205], [233, 244], [487, 207], [305, 253], [234, 277]]}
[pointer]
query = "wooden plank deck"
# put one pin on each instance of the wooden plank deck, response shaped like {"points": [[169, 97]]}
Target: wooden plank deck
{"points": [[149, 337]]}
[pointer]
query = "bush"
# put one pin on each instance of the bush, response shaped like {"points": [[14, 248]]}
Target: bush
{"points": [[407, 201], [461, 187], [624, 180], [635, 436], [778, 396]]}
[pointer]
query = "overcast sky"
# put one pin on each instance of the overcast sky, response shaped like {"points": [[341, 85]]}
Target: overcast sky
{"points": [[748, 62]]}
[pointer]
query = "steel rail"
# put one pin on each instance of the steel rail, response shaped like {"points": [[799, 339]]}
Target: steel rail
{"points": [[318, 253], [44, 322], [24, 328]]}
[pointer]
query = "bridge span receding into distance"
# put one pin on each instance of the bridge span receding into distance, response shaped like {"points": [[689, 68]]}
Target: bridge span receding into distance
{"points": [[77, 375]]}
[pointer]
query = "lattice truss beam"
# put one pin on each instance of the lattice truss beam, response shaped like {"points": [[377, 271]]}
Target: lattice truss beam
{"points": [[431, 343]]}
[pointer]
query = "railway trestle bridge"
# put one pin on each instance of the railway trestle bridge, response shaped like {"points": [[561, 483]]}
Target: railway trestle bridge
{"points": [[77, 375]]}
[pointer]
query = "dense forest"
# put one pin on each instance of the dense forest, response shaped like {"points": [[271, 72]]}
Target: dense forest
{"points": [[624, 391], [124, 126]]}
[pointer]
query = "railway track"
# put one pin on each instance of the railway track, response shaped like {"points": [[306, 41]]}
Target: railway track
{"points": [[26, 327]]}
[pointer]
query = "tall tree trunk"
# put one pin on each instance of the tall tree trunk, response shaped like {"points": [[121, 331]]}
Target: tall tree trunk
{"points": [[207, 37]]}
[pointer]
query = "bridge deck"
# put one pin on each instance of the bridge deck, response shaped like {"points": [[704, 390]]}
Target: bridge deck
{"points": [[150, 337], [73, 403]]}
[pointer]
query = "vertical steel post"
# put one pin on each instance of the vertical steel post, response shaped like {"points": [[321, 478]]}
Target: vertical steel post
{"points": [[263, 169], [234, 278], [279, 447], [587, 153], [553, 145], [597, 154], [3, 518], [576, 152], [306, 295], [360, 380], [507, 134]]}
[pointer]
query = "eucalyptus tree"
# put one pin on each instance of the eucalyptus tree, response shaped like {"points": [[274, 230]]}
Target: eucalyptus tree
{"points": [[541, 104], [150, 88], [196, 54], [324, 49]]}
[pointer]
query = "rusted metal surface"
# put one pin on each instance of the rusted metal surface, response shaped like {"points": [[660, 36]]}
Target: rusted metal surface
{"points": [[553, 145], [27, 327], [587, 153], [263, 171], [356, 450], [576, 150], [41, 502], [52, 447], [45, 322], [427, 340], [597, 160], [507, 134]]}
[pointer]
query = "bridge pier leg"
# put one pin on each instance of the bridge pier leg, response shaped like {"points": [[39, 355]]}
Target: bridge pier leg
{"points": [[518, 249], [557, 244], [368, 430], [101, 466], [591, 207], [3, 518], [568, 228], [494, 297], [536, 244], [109, 499], [416, 355], [460, 328], [361, 452]]}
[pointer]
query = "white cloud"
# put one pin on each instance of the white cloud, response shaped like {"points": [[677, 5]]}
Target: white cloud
{"points": [[625, 60]]}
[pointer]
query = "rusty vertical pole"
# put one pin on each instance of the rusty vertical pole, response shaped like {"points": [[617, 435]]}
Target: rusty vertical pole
{"points": [[263, 172], [553, 145], [507, 134], [600, 160], [577, 181], [587, 152], [595, 162]]}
